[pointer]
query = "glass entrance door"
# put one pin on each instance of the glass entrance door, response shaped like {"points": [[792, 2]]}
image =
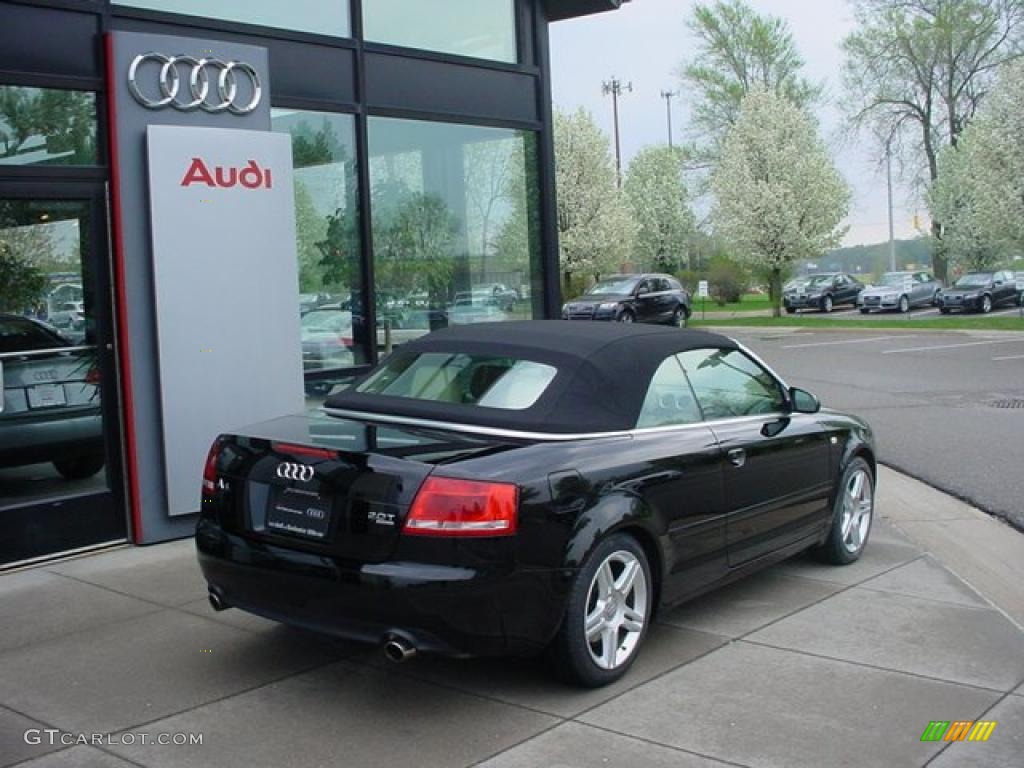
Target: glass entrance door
{"points": [[60, 473]]}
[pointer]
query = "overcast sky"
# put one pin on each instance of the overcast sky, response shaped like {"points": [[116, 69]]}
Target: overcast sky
{"points": [[644, 43]]}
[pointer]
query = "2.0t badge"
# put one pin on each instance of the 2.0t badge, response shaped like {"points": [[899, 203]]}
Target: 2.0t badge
{"points": [[288, 470]]}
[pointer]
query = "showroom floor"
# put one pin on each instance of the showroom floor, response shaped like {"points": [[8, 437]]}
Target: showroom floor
{"points": [[803, 665]]}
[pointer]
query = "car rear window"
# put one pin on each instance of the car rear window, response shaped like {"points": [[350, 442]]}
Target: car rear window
{"points": [[18, 335], [445, 377]]}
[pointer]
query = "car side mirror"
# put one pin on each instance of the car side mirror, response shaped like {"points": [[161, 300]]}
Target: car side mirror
{"points": [[803, 401]]}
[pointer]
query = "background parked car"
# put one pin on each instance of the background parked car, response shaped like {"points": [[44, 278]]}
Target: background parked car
{"points": [[979, 292], [506, 297], [821, 291], [51, 406], [645, 298], [327, 338], [1019, 279], [889, 293]]}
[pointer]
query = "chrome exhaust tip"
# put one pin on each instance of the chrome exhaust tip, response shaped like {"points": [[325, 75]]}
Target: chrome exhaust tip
{"points": [[217, 602], [398, 649]]}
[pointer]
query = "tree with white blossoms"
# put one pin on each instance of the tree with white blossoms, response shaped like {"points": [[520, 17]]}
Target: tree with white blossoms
{"points": [[779, 198], [656, 195], [979, 193], [595, 229]]}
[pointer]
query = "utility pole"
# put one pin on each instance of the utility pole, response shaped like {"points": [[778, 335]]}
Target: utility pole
{"points": [[615, 87], [888, 178], [667, 96]]}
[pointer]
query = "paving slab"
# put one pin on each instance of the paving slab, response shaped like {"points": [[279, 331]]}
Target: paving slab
{"points": [[135, 671], [926, 578], [974, 646], [1004, 748], [13, 748], [528, 683], [879, 556], [39, 606], [772, 708], [344, 714], [749, 603], [233, 617], [77, 757], [167, 574], [574, 745]]}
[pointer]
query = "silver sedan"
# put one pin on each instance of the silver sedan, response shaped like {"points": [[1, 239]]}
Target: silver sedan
{"points": [[892, 294]]}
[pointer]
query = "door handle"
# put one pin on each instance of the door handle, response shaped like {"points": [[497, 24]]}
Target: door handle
{"points": [[737, 456]]}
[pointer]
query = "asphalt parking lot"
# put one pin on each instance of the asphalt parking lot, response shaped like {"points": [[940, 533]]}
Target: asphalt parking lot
{"points": [[946, 407], [918, 313], [805, 665]]}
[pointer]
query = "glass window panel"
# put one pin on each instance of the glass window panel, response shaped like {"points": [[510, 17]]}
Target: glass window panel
{"points": [[46, 126], [669, 398], [484, 29], [454, 215], [51, 424], [728, 383], [324, 17], [334, 335]]}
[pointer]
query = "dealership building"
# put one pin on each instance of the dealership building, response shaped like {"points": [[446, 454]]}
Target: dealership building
{"points": [[213, 213]]}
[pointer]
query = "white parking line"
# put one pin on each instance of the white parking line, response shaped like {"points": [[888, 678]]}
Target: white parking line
{"points": [[1009, 357], [831, 343], [953, 346]]}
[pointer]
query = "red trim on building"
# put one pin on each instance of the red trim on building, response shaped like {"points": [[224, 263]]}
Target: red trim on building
{"points": [[128, 402]]}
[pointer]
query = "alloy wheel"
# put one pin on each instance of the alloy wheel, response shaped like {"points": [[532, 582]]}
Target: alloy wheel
{"points": [[986, 304], [626, 317], [679, 318], [904, 304], [616, 610], [858, 504], [826, 304]]}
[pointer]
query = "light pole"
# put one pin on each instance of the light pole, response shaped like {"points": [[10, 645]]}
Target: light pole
{"points": [[667, 96], [888, 179], [615, 87]]}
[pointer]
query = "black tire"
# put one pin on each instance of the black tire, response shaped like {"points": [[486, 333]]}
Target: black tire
{"points": [[79, 467], [904, 305], [986, 304], [826, 304], [790, 310], [570, 654], [1020, 299], [944, 310], [935, 299], [864, 310], [625, 316], [679, 317], [842, 548]]}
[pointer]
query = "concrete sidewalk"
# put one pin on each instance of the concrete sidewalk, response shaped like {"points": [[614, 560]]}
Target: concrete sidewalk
{"points": [[803, 665]]}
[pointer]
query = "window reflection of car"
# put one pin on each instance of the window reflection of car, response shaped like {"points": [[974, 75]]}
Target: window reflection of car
{"points": [[51, 402], [506, 297], [68, 315], [474, 308], [327, 339], [979, 292], [533, 486]]}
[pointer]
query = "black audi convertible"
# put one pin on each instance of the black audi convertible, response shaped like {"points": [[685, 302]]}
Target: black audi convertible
{"points": [[528, 487]]}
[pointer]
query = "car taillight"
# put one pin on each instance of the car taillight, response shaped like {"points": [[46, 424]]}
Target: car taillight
{"points": [[448, 507], [210, 467]]}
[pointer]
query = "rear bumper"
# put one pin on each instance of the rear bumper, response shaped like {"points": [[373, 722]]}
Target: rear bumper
{"points": [[32, 438], [451, 610]]}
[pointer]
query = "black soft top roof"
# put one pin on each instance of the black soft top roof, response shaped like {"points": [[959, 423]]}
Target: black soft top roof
{"points": [[604, 370]]}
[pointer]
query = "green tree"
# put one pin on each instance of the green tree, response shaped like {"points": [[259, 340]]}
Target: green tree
{"points": [[738, 50], [778, 196], [313, 246], [21, 283], [979, 193], [595, 230], [64, 120], [657, 198], [918, 70]]}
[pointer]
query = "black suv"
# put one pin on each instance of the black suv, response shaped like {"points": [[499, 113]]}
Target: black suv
{"points": [[822, 292], [646, 298]]}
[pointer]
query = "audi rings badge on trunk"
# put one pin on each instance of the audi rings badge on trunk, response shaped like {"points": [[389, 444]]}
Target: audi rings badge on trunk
{"points": [[531, 487]]}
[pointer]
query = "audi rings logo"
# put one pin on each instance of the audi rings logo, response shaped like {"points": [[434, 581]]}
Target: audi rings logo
{"points": [[290, 471], [212, 84]]}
